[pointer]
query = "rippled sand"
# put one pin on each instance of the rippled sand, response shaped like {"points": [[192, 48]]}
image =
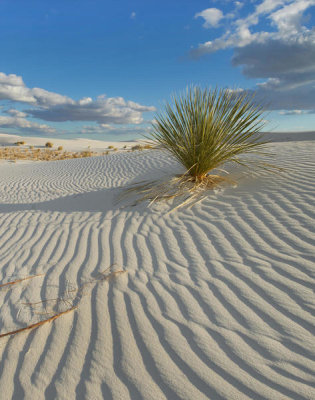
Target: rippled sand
{"points": [[217, 301]]}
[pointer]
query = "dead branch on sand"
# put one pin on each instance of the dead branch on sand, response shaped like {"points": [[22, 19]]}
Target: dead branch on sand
{"points": [[79, 294]]}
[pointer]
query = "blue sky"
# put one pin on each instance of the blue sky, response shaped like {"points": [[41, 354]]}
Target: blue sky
{"points": [[100, 69]]}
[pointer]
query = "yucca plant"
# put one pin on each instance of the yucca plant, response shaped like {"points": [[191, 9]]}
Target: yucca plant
{"points": [[203, 129]]}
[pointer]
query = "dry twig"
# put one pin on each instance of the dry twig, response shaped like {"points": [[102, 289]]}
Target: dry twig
{"points": [[37, 324], [20, 280]]}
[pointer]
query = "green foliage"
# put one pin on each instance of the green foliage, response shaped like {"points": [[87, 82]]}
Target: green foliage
{"points": [[205, 128]]}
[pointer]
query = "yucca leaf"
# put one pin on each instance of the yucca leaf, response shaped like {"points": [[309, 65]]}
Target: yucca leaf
{"points": [[205, 128]]}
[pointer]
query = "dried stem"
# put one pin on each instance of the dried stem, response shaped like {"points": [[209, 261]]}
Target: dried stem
{"points": [[19, 280], [38, 323]]}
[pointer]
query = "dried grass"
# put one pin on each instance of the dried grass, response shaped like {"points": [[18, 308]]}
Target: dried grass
{"points": [[36, 154], [79, 292], [19, 280], [37, 324], [187, 189]]}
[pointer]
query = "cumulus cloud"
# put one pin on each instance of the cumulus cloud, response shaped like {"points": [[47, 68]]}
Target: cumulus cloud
{"points": [[50, 106], [111, 110], [286, 18], [283, 53], [13, 88], [212, 17], [22, 123]]}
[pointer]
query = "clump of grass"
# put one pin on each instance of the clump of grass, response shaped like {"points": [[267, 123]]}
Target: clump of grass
{"points": [[137, 147], [49, 145], [203, 129], [142, 147], [86, 153], [60, 148], [110, 147], [20, 143]]}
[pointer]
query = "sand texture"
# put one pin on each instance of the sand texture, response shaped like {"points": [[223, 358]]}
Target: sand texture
{"points": [[213, 302]]}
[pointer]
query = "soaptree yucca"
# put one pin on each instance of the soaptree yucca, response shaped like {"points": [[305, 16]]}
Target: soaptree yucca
{"points": [[203, 129]]}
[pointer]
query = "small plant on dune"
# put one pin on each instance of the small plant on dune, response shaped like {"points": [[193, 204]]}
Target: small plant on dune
{"points": [[203, 129], [49, 145], [137, 147], [60, 148]]}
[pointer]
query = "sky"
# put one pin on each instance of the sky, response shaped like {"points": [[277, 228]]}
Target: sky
{"points": [[101, 69]]}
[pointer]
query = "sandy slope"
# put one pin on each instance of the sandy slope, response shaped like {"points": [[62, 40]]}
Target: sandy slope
{"points": [[217, 302]]}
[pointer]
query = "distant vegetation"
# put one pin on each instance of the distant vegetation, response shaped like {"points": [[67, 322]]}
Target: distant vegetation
{"points": [[13, 153]]}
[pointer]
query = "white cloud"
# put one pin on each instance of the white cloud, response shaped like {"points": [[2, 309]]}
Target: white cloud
{"points": [[13, 88], [111, 110], [50, 106], [212, 17], [238, 4], [19, 122], [133, 15], [283, 52], [284, 15]]}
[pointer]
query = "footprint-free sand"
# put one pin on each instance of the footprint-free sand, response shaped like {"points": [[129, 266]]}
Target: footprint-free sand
{"points": [[212, 302]]}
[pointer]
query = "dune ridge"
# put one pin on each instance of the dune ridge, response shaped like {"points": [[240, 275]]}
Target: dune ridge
{"points": [[217, 302]]}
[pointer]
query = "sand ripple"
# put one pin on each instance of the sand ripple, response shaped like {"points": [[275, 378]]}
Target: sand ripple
{"points": [[217, 303]]}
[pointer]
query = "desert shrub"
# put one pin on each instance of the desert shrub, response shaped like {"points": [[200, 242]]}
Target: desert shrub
{"points": [[137, 147], [110, 147], [49, 145], [86, 153], [203, 129], [60, 148], [20, 143]]}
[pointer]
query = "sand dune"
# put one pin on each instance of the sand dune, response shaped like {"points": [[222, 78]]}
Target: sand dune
{"points": [[217, 301]]}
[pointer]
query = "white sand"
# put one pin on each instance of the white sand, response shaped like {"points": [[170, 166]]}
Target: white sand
{"points": [[217, 301], [79, 144]]}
